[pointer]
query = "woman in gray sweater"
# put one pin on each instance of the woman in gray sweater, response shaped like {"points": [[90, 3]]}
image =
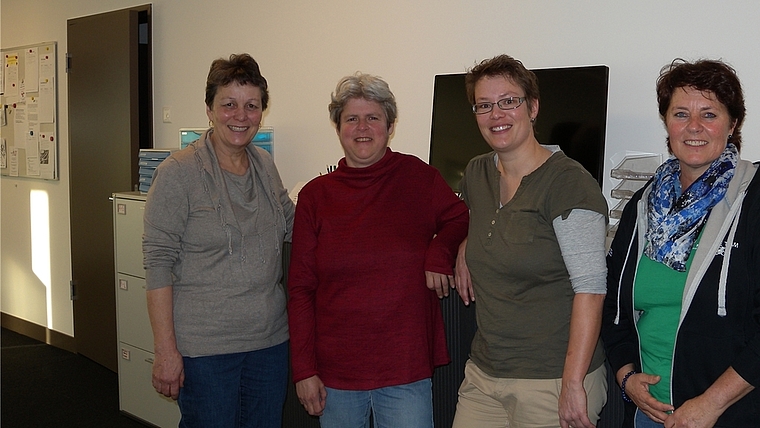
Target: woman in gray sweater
{"points": [[216, 218]]}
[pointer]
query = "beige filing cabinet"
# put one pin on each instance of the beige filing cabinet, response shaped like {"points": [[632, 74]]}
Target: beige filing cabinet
{"points": [[136, 394]]}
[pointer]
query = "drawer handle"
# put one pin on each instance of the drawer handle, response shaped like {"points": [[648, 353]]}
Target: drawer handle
{"points": [[149, 360]]}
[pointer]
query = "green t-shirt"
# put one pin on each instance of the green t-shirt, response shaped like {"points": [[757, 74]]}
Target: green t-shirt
{"points": [[658, 293], [523, 294]]}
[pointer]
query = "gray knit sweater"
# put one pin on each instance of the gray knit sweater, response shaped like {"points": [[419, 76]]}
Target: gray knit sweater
{"points": [[227, 289]]}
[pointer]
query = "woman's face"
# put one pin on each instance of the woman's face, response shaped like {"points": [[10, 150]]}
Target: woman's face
{"points": [[364, 132], [235, 114], [698, 127], [503, 130]]}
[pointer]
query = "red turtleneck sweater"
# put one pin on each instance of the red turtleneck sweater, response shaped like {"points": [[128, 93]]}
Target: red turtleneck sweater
{"points": [[360, 314]]}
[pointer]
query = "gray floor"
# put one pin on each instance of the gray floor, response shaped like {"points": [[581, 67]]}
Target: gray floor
{"points": [[44, 386]]}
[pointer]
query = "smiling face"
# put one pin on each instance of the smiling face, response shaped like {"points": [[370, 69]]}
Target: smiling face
{"points": [[698, 127], [364, 132], [504, 130], [235, 114]]}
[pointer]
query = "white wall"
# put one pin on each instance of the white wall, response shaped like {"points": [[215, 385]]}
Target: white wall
{"points": [[304, 47]]}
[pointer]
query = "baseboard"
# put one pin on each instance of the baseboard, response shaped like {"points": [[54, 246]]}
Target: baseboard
{"points": [[38, 332]]}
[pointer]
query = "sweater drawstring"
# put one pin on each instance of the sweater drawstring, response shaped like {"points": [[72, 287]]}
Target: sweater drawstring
{"points": [[620, 279], [201, 171], [727, 255], [225, 226], [204, 180]]}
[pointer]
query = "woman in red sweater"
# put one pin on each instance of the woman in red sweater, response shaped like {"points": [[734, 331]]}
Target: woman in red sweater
{"points": [[374, 244]]}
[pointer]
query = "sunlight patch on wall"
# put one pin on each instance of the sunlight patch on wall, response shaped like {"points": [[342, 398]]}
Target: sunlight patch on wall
{"points": [[39, 209]]}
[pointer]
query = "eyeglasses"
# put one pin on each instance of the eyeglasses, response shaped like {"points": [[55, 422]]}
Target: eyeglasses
{"points": [[510, 103]]}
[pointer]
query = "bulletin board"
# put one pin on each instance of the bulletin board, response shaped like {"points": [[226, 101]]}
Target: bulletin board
{"points": [[28, 121]]}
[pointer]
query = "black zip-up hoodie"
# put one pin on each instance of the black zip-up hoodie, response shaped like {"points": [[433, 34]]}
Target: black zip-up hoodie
{"points": [[719, 325]]}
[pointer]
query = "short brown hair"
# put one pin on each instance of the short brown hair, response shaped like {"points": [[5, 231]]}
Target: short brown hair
{"points": [[704, 75], [241, 69], [507, 67]]}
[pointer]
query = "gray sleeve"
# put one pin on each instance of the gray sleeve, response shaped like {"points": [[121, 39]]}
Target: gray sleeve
{"points": [[581, 238], [164, 221]]}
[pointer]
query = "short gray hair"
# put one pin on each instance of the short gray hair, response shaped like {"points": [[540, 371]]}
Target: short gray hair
{"points": [[360, 85]]}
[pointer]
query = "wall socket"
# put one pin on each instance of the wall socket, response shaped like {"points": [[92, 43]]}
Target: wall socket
{"points": [[167, 115]]}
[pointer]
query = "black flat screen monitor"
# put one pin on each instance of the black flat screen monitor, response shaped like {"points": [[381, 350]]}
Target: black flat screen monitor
{"points": [[572, 114]]}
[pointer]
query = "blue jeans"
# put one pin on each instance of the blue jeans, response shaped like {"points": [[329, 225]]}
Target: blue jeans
{"points": [[642, 421], [245, 389], [401, 406]]}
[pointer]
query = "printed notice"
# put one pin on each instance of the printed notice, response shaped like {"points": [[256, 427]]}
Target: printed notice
{"points": [[13, 162], [47, 101], [11, 77], [31, 69]]}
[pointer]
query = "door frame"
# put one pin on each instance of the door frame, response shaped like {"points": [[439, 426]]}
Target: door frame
{"points": [[110, 119]]}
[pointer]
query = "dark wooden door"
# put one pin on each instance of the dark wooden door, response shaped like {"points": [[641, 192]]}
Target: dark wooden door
{"points": [[105, 100]]}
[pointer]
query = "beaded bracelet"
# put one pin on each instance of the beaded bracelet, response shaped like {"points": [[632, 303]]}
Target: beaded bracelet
{"points": [[626, 398]]}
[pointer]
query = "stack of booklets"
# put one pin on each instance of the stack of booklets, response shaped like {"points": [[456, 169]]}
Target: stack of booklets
{"points": [[148, 160]]}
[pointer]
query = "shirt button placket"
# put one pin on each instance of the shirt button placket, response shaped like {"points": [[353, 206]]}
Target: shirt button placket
{"points": [[493, 223]]}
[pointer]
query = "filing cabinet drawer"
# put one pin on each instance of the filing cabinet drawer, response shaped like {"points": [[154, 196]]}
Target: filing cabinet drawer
{"points": [[128, 225], [136, 394], [132, 312]]}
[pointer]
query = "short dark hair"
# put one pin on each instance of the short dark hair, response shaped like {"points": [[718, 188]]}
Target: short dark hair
{"points": [[704, 75], [241, 69], [508, 67]]}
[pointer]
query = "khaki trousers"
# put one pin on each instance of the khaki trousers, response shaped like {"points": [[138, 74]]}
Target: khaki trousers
{"points": [[490, 402]]}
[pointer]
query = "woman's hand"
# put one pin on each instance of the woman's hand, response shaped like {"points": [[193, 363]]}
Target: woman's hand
{"points": [[312, 395], [168, 372], [462, 280], [694, 413], [585, 323], [168, 369], [572, 407], [637, 389], [705, 409], [439, 283]]}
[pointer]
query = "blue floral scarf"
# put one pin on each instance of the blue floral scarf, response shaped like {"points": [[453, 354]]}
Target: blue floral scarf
{"points": [[674, 218]]}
